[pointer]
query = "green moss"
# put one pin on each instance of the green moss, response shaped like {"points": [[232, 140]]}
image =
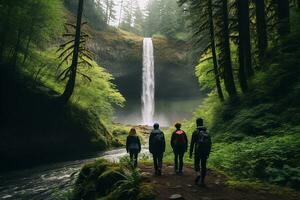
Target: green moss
{"points": [[146, 192], [107, 179]]}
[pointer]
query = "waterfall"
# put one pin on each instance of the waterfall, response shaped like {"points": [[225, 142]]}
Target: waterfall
{"points": [[148, 103]]}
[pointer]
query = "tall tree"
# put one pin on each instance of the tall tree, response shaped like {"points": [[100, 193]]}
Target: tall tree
{"points": [[245, 68], [213, 50], [73, 70], [283, 12], [227, 64], [261, 28]]}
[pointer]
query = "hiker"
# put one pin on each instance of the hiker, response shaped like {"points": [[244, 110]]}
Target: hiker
{"points": [[201, 143], [133, 146], [157, 147], [179, 144]]}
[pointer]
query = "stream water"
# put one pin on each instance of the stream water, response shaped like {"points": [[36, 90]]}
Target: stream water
{"points": [[50, 181]]}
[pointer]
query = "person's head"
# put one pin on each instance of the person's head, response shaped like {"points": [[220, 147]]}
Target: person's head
{"points": [[132, 131], [177, 125], [199, 122], [156, 126]]}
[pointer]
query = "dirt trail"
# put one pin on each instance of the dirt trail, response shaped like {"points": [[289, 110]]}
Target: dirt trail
{"points": [[169, 184]]}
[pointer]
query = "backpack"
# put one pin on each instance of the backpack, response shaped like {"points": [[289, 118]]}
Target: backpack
{"points": [[179, 138], [159, 138], [134, 144], [203, 141]]}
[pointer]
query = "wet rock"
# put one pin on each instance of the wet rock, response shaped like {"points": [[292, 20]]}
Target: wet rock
{"points": [[176, 196], [189, 185]]}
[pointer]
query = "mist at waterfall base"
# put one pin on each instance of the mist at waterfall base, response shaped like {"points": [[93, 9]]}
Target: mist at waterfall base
{"points": [[167, 111]]}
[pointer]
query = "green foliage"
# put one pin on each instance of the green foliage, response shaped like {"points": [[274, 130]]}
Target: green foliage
{"points": [[99, 95], [273, 159], [23, 28], [255, 136], [94, 14], [164, 17]]}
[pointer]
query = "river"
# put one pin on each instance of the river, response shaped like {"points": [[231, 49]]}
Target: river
{"points": [[50, 181]]}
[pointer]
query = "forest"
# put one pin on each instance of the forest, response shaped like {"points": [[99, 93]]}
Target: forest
{"points": [[78, 75]]}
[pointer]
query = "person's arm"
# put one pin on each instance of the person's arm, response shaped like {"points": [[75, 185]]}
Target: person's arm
{"points": [[139, 143], [127, 143], [192, 145], [164, 143], [187, 142], [172, 140], [150, 142], [209, 144]]}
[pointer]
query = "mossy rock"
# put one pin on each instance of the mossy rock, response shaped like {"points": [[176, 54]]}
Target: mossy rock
{"points": [[86, 183], [146, 192], [108, 179]]}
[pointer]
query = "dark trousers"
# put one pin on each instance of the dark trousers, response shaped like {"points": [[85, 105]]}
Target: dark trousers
{"points": [[157, 160], [200, 160], [134, 157], [178, 156]]}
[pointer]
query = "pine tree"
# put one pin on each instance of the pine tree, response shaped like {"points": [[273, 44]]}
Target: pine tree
{"points": [[261, 28], [64, 98], [226, 53]]}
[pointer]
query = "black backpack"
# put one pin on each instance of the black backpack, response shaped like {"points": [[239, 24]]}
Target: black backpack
{"points": [[203, 141], [158, 138]]}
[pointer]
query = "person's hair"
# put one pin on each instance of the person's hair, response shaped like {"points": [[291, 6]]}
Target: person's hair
{"points": [[132, 131], [156, 126], [178, 125], [199, 122]]}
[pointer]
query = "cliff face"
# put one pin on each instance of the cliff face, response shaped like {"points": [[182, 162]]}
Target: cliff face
{"points": [[121, 54]]}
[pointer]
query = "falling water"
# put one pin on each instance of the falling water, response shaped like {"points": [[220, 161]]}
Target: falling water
{"points": [[148, 82]]}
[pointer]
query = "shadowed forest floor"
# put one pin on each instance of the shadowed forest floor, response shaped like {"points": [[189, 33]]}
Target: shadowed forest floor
{"points": [[216, 189]]}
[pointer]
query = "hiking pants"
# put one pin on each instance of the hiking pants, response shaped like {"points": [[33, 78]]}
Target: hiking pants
{"points": [[157, 160], [178, 156], [133, 157], [200, 160]]}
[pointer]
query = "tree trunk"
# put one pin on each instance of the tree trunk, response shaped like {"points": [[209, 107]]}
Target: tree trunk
{"points": [[261, 28], [228, 75], [71, 82], [213, 50], [120, 16], [244, 36], [107, 12], [283, 11]]}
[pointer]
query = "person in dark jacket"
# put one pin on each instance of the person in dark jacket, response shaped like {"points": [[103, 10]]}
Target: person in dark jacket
{"points": [[201, 144], [133, 146], [157, 146], [179, 144]]}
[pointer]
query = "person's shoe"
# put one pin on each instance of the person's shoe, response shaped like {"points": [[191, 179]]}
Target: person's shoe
{"points": [[197, 180], [179, 173]]}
